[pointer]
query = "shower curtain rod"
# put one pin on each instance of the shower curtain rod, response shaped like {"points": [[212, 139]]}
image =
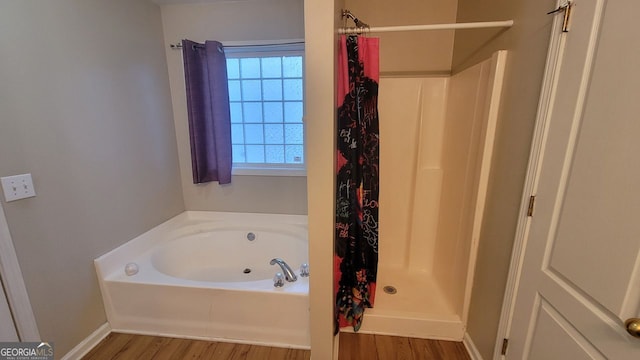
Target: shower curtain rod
{"points": [[454, 26]]}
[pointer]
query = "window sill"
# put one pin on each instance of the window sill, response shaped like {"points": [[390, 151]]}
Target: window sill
{"points": [[255, 171]]}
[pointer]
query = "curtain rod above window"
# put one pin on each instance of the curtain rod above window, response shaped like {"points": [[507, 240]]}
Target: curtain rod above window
{"points": [[178, 46]]}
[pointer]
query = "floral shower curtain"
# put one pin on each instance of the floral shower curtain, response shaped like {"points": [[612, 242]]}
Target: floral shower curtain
{"points": [[357, 187]]}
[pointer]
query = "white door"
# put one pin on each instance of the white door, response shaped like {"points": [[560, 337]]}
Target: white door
{"points": [[7, 328], [580, 277]]}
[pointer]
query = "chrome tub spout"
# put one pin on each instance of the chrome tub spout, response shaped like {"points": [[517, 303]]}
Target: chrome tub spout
{"points": [[289, 275]]}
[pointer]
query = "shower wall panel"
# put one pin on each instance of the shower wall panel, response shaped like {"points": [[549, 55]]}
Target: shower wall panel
{"points": [[474, 95], [411, 126]]}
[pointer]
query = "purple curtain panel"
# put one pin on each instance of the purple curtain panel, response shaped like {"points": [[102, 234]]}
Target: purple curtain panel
{"points": [[205, 72]]}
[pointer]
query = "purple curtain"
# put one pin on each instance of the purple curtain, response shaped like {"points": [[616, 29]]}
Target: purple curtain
{"points": [[205, 71]]}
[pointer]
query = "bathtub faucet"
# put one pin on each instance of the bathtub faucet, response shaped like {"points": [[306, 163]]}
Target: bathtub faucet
{"points": [[286, 270]]}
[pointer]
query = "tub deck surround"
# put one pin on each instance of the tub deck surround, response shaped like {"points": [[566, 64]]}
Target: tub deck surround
{"points": [[192, 280]]}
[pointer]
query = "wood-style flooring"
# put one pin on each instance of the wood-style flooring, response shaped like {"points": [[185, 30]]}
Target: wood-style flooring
{"points": [[141, 347], [352, 347], [380, 347]]}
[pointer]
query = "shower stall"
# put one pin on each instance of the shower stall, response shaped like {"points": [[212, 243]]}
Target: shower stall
{"points": [[437, 138]]}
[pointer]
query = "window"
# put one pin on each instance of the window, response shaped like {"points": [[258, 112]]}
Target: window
{"points": [[266, 102]]}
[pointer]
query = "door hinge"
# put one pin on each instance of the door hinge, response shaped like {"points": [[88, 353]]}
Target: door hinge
{"points": [[532, 202], [505, 345], [566, 8]]}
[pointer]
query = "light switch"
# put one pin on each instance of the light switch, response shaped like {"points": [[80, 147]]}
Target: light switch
{"points": [[17, 187]]}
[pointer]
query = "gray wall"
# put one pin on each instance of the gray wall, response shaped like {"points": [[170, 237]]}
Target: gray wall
{"points": [[410, 52], [86, 109], [527, 43], [233, 21]]}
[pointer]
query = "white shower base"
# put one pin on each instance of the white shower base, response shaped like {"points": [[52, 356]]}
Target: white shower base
{"points": [[419, 308]]}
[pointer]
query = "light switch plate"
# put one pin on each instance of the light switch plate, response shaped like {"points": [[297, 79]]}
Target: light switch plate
{"points": [[17, 187]]}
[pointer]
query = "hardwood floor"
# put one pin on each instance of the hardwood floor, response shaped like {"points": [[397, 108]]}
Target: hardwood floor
{"points": [[141, 347], [380, 347], [352, 347]]}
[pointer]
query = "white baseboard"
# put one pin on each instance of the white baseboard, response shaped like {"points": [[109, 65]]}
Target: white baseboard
{"points": [[471, 347], [88, 343]]}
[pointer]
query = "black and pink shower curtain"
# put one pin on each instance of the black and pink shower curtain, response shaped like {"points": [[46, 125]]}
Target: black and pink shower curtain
{"points": [[357, 187]]}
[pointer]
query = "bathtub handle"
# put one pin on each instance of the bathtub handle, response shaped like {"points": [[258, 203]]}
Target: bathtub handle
{"points": [[278, 280]]}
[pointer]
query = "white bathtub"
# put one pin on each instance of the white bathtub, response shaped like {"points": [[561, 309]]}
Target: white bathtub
{"points": [[193, 281]]}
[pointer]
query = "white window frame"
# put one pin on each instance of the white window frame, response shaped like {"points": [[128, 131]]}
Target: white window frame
{"points": [[263, 49]]}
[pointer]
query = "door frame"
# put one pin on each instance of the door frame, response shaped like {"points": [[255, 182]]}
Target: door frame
{"points": [[545, 104], [15, 289]]}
